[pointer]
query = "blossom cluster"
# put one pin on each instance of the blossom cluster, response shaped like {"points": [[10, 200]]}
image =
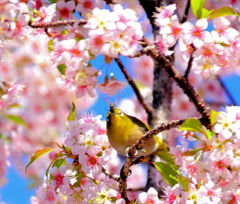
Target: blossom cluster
{"points": [[73, 47], [213, 50], [213, 165], [33, 107], [106, 32], [208, 88], [85, 175]]}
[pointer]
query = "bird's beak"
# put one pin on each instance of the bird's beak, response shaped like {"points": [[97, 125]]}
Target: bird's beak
{"points": [[112, 106]]}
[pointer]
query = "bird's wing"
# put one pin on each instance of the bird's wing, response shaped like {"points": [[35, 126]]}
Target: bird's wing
{"points": [[139, 123]]}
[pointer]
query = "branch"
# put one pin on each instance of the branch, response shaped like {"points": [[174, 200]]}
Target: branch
{"points": [[138, 146], [134, 87], [226, 91], [216, 103], [183, 83], [184, 18], [56, 23], [110, 175], [189, 63], [149, 7]]}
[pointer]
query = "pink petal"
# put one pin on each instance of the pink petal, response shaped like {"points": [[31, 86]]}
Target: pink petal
{"points": [[202, 23]]}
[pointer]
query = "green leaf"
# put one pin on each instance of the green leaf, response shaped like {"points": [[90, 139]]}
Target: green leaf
{"points": [[213, 116], [192, 124], [71, 115], [62, 68], [49, 168], [209, 134], [59, 162], [50, 45], [224, 11], [17, 119], [5, 139], [168, 174], [14, 105], [184, 182], [205, 13], [191, 152], [167, 157], [197, 6], [52, 1], [39, 153]]}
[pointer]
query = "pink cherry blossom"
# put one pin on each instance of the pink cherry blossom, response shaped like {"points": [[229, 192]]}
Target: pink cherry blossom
{"points": [[112, 86], [172, 31], [151, 196], [85, 6], [164, 14], [65, 9], [196, 34], [143, 68], [172, 194]]}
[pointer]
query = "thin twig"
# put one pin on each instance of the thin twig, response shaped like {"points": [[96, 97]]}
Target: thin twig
{"points": [[56, 23], [110, 175], [186, 12], [216, 103], [135, 189], [183, 83], [145, 49], [134, 87], [138, 146], [226, 91], [149, 135], [109, 2], [189, 63]]}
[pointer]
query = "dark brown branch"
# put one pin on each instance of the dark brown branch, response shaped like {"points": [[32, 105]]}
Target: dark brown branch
{"points": [[184, 18], [138, 54], [145, 49], [149, 135], [149, 7], [183, 83], [134, 87], [135, 189], [226, 91], [109, 2], [138, 146], [189, 63], [56, 23]]}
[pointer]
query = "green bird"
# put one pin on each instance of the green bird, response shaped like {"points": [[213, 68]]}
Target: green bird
{"points": [[124, 130]]}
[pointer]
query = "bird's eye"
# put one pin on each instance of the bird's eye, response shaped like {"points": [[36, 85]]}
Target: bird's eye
{"points": [[120, 113]]}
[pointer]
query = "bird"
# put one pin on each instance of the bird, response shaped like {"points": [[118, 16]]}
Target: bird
{"points": [[124, 130]]}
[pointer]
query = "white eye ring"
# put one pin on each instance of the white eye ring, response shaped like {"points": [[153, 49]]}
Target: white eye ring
{"points": [[120, 113]]}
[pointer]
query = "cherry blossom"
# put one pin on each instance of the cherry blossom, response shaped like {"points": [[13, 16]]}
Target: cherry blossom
{"points": [[196, 34], [42, 70], [143, 68], [112, 86], [84, 7], [164, 14], [65, 9], [149, 197]]}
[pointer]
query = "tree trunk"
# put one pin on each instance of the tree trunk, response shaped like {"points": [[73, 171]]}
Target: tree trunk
{"points": [[162, 90]]}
